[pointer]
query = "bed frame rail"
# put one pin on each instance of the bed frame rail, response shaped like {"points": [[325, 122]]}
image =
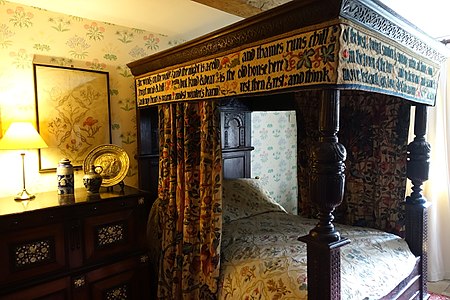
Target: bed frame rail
{"points": [[409, 288]]}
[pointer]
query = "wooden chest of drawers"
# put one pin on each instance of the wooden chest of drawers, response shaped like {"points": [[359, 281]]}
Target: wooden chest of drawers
{"points": [[82, 247]]}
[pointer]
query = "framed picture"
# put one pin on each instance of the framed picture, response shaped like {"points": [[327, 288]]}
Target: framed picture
{"points": [[73, 113]]}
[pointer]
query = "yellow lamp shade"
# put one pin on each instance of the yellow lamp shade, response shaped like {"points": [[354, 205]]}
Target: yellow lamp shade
{"points": [[21, 136]]}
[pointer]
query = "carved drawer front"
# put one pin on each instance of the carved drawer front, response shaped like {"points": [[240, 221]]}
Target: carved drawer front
{"points": [[126, 279], [109, 235], [114, 288], [31, 252]]}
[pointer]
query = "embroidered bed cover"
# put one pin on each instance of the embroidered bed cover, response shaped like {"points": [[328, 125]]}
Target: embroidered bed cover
{"points": [[262, 259]]}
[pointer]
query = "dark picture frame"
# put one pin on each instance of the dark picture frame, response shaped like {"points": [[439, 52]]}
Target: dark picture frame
{"points": [[72, 112]]}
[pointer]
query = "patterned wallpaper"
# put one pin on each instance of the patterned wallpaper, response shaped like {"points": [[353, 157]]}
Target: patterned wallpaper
{"points": [[27, 34], [274, 160]]}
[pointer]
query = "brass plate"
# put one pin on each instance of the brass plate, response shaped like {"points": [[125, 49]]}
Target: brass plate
{"points": [[114, 161]]}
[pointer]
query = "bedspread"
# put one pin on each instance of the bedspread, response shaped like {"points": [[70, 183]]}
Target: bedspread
{"points": [[262, 259]]}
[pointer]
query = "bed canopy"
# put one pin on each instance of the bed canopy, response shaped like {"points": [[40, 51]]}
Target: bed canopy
{"points": [[313, 44], [326, 46]]}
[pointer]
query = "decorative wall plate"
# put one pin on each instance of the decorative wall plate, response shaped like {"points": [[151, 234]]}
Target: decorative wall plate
{"points": [[114, 161]]}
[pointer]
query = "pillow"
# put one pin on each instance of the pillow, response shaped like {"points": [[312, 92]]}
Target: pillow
{"points": [[245, 197]]}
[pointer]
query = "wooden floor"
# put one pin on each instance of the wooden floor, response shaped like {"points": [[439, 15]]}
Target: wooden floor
{"points": [[440, 287]]}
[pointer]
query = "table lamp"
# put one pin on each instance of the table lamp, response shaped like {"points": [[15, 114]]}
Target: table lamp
{"points": [[22, 136]]}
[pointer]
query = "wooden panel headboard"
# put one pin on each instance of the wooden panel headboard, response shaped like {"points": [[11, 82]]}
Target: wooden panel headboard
{"points": [[235, 122]]}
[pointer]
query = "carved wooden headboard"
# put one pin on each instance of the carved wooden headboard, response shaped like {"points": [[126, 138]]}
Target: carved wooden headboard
{"points": [[236, 128], [235, 122]]}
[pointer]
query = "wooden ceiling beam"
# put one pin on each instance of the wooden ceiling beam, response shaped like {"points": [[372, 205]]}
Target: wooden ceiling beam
{"points": [[238, 8]]}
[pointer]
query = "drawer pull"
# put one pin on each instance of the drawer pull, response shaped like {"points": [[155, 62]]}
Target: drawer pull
{"points": [[79, 281], [143, 259]]}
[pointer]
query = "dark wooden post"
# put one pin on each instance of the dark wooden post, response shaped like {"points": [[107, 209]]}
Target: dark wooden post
{"points": [[417, 170], [327, 190]]}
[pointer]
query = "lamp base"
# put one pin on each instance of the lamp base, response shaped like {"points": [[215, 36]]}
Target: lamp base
{"points": [[24, 195]]}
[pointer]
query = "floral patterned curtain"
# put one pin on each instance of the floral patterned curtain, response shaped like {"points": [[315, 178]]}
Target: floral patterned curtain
{"points": [[374, 130], [190, 200]]}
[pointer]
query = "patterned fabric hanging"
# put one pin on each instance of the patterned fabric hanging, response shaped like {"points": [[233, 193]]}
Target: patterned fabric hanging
{"points": [[375, 137], [190, 200]]}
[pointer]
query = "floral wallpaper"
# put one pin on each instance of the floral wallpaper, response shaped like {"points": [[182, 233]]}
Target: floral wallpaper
{"points": [[274, 160], [29, 34]]}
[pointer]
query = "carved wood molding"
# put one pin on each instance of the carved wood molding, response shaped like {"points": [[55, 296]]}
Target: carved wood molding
{"points": [[382, 21]]}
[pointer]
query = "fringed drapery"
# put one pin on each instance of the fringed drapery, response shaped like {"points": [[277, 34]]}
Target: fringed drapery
{"points": [[190, 194]]}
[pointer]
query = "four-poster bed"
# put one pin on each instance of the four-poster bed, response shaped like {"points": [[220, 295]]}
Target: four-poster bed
{"points": [[318, 51]]}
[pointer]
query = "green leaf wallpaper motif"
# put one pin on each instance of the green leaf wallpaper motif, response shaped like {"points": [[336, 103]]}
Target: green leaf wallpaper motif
{"points": [[27, 34], [5, 36], [127, 104], [94, 31], [151, 42], [60, 24], [20, 17], [41, 47], [125, 36]]}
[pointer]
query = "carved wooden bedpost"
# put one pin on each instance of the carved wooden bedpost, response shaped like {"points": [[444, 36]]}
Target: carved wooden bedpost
{"points": [[327, 189], [416, 205]]}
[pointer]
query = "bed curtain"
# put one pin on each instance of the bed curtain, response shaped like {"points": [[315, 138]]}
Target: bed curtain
{"points": [[190, 200], [374, 130]]}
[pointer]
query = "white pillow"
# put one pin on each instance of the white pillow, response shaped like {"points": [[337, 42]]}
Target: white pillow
{"points": [[245, 197]]}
